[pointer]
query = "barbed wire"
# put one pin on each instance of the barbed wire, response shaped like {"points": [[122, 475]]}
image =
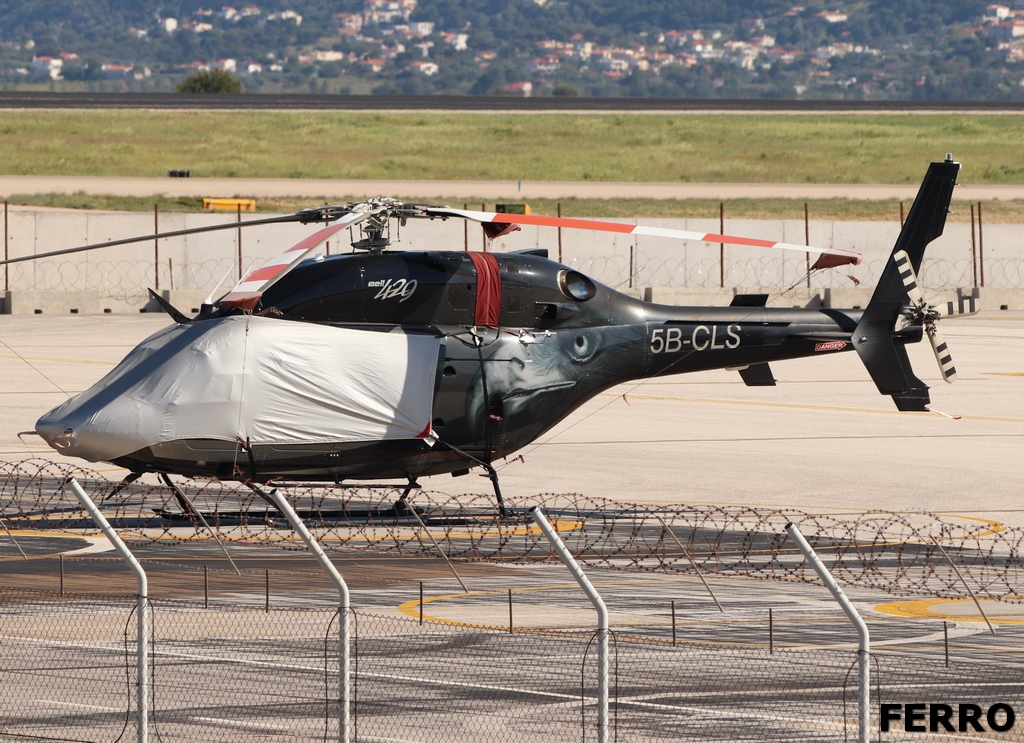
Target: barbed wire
{"points": [[898, 553]]}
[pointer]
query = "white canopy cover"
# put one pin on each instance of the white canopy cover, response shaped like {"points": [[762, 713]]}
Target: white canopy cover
{"points": [[261, 380]]}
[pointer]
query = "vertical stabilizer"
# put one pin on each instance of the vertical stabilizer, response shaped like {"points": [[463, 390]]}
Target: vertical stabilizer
{"points": [[883, 355]]}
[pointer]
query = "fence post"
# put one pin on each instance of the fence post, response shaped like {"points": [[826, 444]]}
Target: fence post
{"points": [[142, 680], [239, 242], [863, 639], [344, 702], [807, 242], [156, 248], [981, 247], [974, 251], [602, 617], [7, 279], [559, 233], [721, 246]]}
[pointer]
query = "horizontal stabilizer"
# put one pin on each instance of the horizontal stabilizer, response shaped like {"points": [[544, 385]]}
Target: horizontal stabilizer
{"points": [[749, 300], [758, 375]]}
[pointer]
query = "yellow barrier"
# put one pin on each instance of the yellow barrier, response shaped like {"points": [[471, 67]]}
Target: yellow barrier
{"points": [[230, 205]]}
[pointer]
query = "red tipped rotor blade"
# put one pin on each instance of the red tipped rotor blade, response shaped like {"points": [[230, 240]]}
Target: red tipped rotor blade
{"points": [[248, 291], [836, 257]]}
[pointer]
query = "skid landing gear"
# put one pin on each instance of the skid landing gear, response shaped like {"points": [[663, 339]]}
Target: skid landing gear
{"points": [[128, 480], [492, 475]]}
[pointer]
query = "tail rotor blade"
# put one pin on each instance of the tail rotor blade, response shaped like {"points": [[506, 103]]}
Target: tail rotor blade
{"points": [[906, 272], [942, 354], [960, 307]]}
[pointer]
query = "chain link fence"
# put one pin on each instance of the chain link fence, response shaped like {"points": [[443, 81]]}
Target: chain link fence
{"points": [[239, 673]]}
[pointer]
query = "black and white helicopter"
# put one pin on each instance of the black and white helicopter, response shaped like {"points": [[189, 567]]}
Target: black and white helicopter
{"points": [[382, 364]]}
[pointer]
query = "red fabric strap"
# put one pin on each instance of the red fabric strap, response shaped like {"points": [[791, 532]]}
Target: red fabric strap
{"points": [[488, 289]]}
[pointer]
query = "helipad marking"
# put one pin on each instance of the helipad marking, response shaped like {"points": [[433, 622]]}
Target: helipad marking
{"points": [[931, 609]]}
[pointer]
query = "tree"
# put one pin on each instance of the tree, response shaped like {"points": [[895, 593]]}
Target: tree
{"points": [[213, 81]]}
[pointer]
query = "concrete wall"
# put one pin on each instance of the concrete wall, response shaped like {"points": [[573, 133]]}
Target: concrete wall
{"points": [[119, 276]]}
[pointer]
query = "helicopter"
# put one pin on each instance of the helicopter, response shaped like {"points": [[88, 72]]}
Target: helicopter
{"points": [[379, 364]]}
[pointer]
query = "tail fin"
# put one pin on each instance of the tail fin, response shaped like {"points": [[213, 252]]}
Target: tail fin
{"points": [[882, 352]]}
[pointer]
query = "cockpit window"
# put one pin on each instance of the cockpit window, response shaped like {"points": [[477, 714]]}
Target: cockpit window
{"points": [[576, 286]]}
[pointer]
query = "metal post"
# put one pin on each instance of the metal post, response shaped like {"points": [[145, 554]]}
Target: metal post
{"points": [[433, 541], [974, 251], [807, 242], [945, 639], [690, 558], [559, 233], [673, 622], [632, 251], [62, 575], [239, 242], [421, 602], [602, 617], [721, 246], [142, 673], [266, 607], [206, 586], [344, 608], [510, 611], [981, 247], [7, 242], [863, 638], [963, 580], [771, 632], [156, 248]]}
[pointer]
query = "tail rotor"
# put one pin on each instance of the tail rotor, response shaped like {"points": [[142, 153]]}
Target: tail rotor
{"points": [[920, 313]]}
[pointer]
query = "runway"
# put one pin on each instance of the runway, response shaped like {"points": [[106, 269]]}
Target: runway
{"points": [[485, 104]]}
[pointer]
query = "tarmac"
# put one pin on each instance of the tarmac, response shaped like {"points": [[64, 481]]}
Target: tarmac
{"points": [[823, 441]]}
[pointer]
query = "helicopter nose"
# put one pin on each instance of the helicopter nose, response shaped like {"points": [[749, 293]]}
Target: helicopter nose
{"points": [[93, 428]]}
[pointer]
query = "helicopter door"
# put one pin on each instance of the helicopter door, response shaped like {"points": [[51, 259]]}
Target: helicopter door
{"points": [[341, 297], [516, 294]]}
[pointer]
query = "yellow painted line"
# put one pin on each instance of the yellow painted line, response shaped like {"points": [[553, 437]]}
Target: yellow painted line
{"points": [[997, 526], [930, 609], [794, 406], [1008, 374]]}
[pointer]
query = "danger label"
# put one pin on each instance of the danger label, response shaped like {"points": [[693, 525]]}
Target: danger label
{"points": [[831, 346]]}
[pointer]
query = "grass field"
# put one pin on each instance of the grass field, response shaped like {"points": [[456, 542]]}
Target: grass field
{"points": [[557, 147], [825, 209]]}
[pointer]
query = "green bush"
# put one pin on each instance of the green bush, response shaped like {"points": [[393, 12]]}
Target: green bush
{"points": [[213, 81]]}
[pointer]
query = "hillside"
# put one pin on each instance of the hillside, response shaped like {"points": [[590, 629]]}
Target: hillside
{"points": [[940, 49]]}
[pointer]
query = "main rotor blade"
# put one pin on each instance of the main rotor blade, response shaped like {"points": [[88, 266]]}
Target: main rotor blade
{"points": [[299, 217], [248, 291], [836, 256]]}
